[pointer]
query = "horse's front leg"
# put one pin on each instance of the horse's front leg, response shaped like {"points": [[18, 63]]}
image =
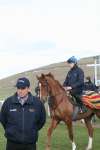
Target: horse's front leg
{"points": [[70, 131], [53, 125]]}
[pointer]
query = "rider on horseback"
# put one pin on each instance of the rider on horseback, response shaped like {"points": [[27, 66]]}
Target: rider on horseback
{"points": [[74, 81]]}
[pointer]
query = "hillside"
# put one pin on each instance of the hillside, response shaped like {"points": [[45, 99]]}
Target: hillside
{"points": [[59, 70]]}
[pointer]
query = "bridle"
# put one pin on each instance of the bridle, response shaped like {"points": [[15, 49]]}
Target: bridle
{"points": [[37, 90], [47, 88], [49, 96]]}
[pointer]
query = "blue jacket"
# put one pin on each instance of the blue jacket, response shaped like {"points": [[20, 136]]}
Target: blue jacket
{"points": [[89, 86], [22, 122], [75, 79]]}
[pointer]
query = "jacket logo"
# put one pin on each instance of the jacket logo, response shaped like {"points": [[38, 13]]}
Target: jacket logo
{"points": [[13, 110], [31, 110]]}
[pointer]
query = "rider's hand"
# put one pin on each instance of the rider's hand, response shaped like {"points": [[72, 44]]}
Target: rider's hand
{"points": [[67, 88]]}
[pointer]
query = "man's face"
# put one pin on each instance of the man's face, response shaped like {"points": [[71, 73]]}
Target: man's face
{"points": [[71, 65], [22, 92]]}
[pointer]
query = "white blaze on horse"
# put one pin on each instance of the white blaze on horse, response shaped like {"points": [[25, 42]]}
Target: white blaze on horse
{"points": [[62, 109]]}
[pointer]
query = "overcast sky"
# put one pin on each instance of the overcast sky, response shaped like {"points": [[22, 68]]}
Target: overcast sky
{"points": [[35, 33]]}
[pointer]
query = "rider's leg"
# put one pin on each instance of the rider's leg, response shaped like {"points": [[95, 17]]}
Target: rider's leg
{"points": [[80, 103]]}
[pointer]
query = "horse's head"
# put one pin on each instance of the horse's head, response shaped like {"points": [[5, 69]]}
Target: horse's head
{"points": [[44, 86]]}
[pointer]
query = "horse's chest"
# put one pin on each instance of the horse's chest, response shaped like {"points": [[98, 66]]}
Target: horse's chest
{"points": [[56, 114]]}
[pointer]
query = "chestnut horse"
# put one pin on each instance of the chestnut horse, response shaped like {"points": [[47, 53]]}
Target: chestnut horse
{"points": [[61, 109]]}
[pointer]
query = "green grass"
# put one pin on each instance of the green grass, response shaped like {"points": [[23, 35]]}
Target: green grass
{"points": [[60, 140]]}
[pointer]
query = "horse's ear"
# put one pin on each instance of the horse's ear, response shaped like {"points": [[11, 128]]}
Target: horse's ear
{"points": [[51, 75], [42, 75]]}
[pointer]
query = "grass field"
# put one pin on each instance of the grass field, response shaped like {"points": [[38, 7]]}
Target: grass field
{"points": [[60, 140]]}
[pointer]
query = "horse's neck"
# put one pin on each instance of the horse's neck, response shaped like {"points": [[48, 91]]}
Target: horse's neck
{"points": [[58, 94], [56, 89]]}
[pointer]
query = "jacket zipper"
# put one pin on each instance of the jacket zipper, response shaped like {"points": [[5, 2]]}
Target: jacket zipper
{"points": [[23, 120]]}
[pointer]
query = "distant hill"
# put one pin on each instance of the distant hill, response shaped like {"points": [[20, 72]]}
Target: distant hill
{"points": [[59, 70]]}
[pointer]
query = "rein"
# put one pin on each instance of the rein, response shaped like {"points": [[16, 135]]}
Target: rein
{"points": [[54, 108], [51, 96]]}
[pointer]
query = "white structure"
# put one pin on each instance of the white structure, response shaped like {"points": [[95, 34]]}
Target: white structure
{"points": [[96, 66]]}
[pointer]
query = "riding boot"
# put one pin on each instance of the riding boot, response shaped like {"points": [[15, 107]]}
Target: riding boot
{"points": [[80, 104], [76, 111]]}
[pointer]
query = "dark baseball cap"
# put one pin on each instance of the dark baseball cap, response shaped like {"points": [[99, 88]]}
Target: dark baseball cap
{"points": [[23, 83]]}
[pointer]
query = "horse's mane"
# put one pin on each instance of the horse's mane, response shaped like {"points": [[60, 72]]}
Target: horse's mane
{"points": [[57, 82], [51, 76], [59, 85]]}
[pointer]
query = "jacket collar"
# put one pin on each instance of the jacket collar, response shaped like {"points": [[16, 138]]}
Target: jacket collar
{"points": [[75, 66], [29, 100]]}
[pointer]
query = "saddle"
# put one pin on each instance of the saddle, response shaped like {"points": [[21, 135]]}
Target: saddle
{"points": [[79, 106], [76, 101]]}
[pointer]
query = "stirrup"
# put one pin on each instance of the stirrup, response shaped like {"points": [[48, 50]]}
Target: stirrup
{"points": [[83, 109]]}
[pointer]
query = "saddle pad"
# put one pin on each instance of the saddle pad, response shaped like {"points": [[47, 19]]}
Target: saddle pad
{"points": [[92, 100]]}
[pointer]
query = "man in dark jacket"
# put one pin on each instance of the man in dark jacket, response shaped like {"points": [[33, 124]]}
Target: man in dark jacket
{"points": [[22, 116], [89, 85], [74, 81]]}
